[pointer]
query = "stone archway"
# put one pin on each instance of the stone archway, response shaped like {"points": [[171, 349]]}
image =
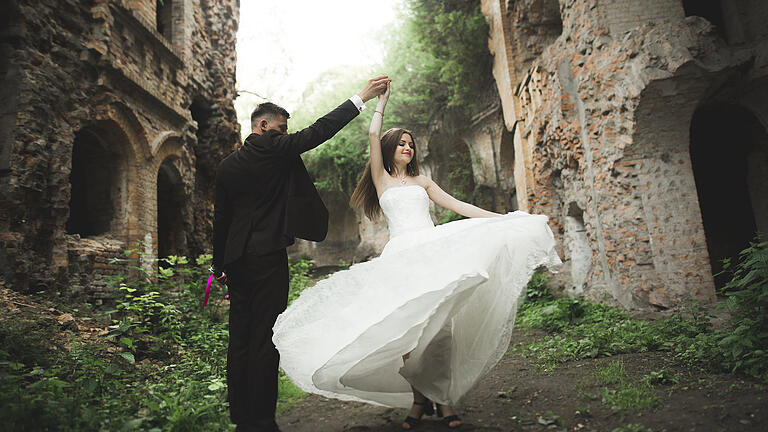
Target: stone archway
{"points": [[99, 182], [729, 154], [171, 237]]}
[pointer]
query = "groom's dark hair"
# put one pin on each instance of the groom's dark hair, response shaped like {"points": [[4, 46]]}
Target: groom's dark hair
{"points": [[268, 109]]}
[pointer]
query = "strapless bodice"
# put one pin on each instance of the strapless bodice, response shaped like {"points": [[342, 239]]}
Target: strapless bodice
{"points": [[406, 209]]}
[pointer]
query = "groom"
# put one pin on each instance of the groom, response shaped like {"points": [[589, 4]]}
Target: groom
{"points": [[265, 198]]}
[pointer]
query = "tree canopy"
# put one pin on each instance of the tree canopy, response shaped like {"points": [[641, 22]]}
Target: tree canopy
{"points": [[438, 60]]}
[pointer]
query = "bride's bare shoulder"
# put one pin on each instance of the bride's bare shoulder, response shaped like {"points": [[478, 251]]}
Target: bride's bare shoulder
{"points": [[423, 181]]}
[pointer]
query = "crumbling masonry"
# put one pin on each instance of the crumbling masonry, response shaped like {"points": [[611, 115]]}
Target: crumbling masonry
{"points": [[639, 127], [114, 116]]}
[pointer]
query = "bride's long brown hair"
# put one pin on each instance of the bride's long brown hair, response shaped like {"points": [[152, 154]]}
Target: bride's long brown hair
{"points": [[364, 197]]}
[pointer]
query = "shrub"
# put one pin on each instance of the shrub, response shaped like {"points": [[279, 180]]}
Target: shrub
{"points": [[162, 367], [745, 342]]}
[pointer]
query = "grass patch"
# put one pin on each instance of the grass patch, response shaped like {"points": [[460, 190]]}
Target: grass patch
{"points": [[611, 374], [629, 397], [579, 329], [288, 393]]}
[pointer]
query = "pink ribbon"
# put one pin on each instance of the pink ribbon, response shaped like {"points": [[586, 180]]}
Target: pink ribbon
{"points": [[208, 289]]}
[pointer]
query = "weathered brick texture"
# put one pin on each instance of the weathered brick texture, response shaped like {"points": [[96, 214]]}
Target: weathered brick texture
{"points": [[111, 134], [601, 116]]}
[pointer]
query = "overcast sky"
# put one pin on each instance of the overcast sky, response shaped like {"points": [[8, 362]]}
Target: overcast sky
{"points": [[283, 45]]}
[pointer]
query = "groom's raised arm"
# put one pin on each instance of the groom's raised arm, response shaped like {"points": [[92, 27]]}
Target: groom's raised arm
{"points": [[328, 125], [320, 131]]}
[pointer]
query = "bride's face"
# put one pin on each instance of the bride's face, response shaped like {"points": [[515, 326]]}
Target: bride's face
{"points": [[405, 150]]}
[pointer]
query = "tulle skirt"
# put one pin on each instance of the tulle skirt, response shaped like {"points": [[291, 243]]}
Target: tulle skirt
{"points": [[447, 295]]}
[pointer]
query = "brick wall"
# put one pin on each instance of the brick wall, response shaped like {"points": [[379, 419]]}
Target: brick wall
{"points": [[145, 9]]}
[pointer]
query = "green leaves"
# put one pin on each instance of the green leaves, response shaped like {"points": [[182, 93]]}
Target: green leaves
{"points": [[439, 59], [745, 342], [440, 67], [128, 357], [299, 277], [161, 366]]}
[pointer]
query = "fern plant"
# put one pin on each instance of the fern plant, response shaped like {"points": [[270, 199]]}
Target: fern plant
{"points": [[746, 343]]}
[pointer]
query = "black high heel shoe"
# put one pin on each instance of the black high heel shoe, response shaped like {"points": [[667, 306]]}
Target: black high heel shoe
{"points": [[428, 409], [447, 420]]}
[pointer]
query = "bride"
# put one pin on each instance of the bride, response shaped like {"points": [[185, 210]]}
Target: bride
{"points": [[424, 321]]}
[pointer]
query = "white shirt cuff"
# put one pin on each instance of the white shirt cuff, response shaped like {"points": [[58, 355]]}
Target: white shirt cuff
{"points": [[358, 101]]}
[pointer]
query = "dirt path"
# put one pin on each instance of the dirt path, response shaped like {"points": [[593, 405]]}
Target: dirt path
{"points": [[517, 396]]}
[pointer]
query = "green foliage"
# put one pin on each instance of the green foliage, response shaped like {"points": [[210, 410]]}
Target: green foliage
{"points": [[299, 271], [619, 392], [613, 373], [162, 366], [460, 175], [459, 183], [288, 393], [338, 164], [745, 345], [584, 330], [448, 216], [436, 56], [579, 329], [538, 287], [629, 397], [662, 376]]}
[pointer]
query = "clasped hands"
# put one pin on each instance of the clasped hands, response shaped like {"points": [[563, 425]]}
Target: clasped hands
{"points": [[375, 87]]}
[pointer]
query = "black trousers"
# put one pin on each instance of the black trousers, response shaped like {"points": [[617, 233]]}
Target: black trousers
{"points": [[258, 293]]}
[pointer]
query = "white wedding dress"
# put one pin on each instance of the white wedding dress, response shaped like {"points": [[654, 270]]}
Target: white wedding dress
{"points": [[446, 294]]}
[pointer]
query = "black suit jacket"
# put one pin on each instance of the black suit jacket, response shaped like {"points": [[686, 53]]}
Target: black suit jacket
{"points": [[264, 195]]}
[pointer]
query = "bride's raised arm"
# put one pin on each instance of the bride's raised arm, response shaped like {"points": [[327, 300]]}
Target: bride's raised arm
{"points": [[446, 200], [374, 137]]}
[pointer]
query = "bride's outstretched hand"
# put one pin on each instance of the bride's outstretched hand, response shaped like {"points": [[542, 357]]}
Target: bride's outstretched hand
{"points": [[385, 96]]}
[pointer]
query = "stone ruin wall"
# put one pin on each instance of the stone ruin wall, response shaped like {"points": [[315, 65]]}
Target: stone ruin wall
{"points": [[115, 114], [598, 105], [608, 101]]}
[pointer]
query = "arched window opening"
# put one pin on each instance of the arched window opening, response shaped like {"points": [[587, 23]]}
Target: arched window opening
{"points": [[730, 162], [707, 9], [95, 185], [171, 239], [164, 18]]}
